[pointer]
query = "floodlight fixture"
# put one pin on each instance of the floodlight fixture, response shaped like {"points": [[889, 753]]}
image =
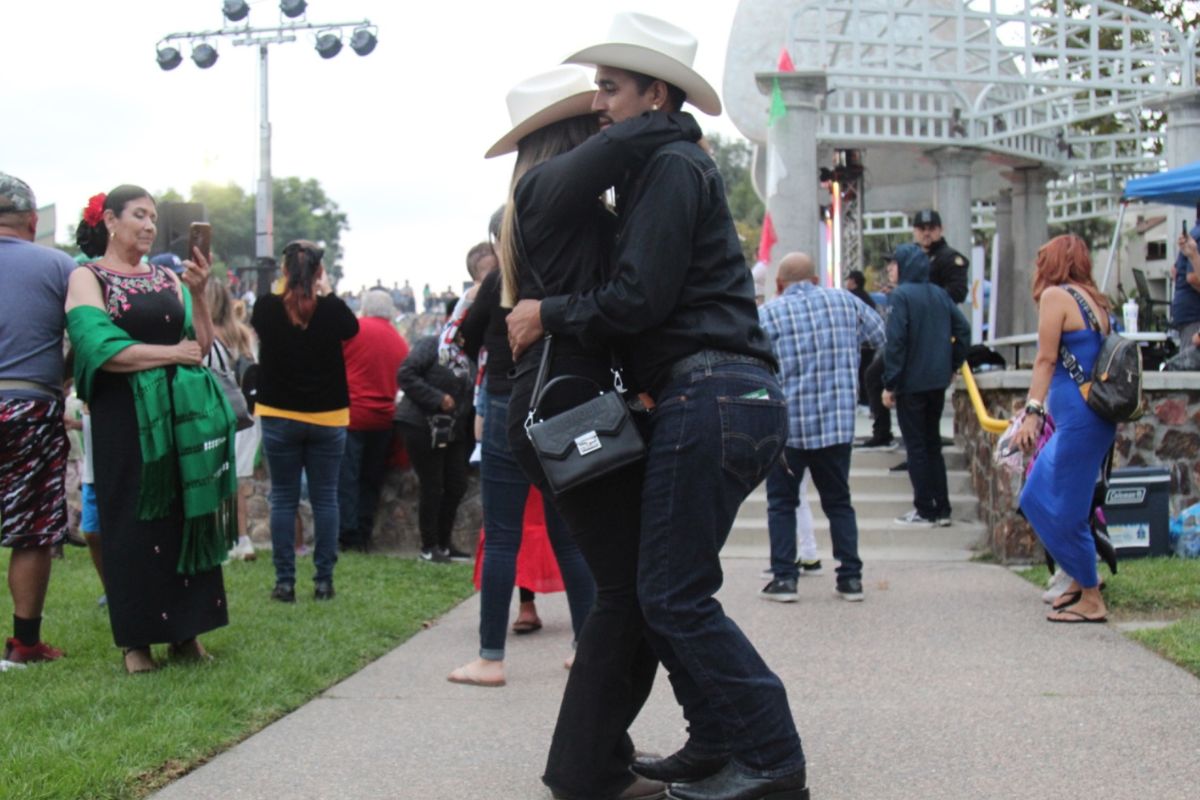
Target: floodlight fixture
{"points": [[235, 10], [363, 41], [292, 8], [329, 44], [169, 58], [204, 54]]}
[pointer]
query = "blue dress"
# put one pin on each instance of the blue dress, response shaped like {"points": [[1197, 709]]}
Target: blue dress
{"points": [[1058, 494]]}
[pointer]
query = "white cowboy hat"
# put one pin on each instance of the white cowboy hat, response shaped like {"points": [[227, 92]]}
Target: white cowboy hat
{"points": [[649, 45], [558, 94]]}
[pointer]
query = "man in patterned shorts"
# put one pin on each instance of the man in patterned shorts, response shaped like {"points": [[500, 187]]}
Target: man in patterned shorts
{"points": [[33, 439]]}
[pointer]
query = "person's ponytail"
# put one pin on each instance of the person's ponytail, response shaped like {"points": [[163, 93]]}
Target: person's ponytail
{"points": [[301, 264]]}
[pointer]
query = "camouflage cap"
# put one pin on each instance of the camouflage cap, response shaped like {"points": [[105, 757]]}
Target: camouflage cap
{"points": [[15, 195]]}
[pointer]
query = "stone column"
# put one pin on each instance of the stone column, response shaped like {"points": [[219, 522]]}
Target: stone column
{"points": [[952, 195], [1030, 231], [1183, 147], [791, 186], [1002, 325]]}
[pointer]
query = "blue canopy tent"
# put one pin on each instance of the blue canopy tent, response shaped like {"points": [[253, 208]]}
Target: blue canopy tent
{"points": [[1176, 187]]}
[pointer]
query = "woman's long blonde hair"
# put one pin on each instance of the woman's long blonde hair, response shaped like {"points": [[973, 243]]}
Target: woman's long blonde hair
{"points": [[233, 332], [542, 145]]}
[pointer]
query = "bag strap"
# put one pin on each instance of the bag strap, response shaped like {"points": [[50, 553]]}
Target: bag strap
{"points": [[1070, 363], [220, 349], [1085, 308]]}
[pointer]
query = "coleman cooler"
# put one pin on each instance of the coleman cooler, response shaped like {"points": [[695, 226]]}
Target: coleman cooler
{"points": [[1136, 508]]}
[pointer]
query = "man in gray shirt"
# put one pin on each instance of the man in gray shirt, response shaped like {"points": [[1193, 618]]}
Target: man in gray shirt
{"points": [[33, 439]]}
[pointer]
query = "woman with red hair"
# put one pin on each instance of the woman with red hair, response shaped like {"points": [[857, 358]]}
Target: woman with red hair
{"points": [[304, 404], [1057, 497]]}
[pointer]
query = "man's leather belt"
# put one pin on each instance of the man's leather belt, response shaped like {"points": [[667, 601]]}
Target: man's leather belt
{"points": [[706, 359]]}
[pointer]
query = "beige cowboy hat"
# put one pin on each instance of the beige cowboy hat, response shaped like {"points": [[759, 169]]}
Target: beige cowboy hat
{"points": [[651, 46], [561, 93]]}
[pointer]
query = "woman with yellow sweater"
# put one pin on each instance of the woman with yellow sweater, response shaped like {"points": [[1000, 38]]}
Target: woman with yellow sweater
{"points": [[304, 405]]}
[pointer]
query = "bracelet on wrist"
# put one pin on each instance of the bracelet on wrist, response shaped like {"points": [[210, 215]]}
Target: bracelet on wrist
{"points": [[1035, 407]]}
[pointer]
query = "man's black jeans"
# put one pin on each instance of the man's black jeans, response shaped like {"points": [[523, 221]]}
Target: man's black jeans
{"points": [[881, 415], [920, 416]]}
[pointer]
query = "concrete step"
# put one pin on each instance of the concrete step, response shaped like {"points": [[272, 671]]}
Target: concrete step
{"points": [[880, 480], [954, 457], [867, 504], [878, 538]]}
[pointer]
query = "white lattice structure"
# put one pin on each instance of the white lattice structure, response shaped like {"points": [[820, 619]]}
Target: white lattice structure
{"points": [[959, 102]]}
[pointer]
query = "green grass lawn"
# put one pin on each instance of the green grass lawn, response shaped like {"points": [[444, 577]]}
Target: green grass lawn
{"points": [[82, 728], [1154, 588]]}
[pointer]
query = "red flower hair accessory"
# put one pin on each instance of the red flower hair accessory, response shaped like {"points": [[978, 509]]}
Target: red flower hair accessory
{"points": [[95, 209]]}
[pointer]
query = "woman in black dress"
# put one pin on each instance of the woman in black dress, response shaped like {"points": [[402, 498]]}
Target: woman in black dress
{"points": [[149, 600], [557, 238]]}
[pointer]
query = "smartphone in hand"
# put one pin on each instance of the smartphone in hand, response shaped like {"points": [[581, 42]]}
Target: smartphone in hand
{"points": [[200, 236], [1183, 223]]}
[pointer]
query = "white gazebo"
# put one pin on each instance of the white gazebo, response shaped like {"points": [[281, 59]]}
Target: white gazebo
{"points": [[973, 108]]}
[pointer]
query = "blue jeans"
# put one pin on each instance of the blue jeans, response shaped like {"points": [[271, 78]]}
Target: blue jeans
{"points": [[292, 447], [830, 468], [364, 465], [709, 446], [505, 490]]}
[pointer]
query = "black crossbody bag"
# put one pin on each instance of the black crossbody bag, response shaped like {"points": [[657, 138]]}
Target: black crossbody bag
{"points": [[589, 440]]}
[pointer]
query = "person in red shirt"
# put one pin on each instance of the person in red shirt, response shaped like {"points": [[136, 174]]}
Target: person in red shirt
{"points": [[372, 360]]}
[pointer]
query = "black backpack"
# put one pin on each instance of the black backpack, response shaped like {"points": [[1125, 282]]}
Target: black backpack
{"points": [[1114, 391]]}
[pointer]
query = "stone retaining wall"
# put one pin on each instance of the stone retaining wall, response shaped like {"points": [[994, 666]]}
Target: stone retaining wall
{"points": [[1168, 436], [395, 523]]}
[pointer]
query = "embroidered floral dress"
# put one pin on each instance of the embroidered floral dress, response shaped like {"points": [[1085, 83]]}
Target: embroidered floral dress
{"points": [[148, 601]]}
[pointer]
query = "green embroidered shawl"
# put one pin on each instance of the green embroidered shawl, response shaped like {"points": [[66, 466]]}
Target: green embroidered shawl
{"points": [[185, 432]]}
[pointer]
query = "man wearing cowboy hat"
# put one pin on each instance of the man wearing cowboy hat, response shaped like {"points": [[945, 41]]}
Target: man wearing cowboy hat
{"points": [[681, 301]]}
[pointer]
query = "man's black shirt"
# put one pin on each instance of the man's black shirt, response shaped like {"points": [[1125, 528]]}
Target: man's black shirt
{"points": [[679, 280], [949, 269]]}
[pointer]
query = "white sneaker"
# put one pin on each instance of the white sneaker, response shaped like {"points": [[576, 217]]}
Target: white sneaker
{"points": [[1058, 584], [243, 550], [913, 520]]}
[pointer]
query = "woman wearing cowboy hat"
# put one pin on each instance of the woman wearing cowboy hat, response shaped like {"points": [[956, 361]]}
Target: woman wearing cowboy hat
{"points": [[682, 300], [557, 237]]}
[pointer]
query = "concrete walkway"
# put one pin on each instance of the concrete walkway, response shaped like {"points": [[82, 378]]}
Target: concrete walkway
{"points": [[945, 683]]}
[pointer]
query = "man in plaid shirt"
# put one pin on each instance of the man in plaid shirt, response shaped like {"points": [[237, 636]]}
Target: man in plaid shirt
{"points": [[817, 335]]}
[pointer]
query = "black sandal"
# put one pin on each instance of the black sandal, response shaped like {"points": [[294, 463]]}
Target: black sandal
{"points": [[1071, 597]]}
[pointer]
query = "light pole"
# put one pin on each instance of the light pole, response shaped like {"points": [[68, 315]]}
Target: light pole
{"points": [[328, 43]]}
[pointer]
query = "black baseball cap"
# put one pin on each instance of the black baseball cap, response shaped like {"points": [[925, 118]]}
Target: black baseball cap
{"points": [[926, 216]]}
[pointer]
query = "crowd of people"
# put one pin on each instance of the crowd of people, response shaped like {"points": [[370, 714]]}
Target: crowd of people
{"points": [[650, 299]]}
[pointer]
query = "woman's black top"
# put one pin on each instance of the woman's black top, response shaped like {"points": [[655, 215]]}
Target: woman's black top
{"points": [[484, 326], [302, 369], [426, 382]]}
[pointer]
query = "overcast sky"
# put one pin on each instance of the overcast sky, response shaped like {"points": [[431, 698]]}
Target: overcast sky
{"points": [[396, 138]]}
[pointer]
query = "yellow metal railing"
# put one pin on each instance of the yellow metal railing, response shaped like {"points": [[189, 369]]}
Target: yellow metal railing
{"points": [[986, 421]]}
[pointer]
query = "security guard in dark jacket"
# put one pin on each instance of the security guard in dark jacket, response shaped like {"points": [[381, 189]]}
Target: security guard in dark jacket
{"points": [[949, 267]]}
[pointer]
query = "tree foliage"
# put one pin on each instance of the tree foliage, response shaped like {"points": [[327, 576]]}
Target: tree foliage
{"points": [[1182, 14], [733, 157], [302, 211]]}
